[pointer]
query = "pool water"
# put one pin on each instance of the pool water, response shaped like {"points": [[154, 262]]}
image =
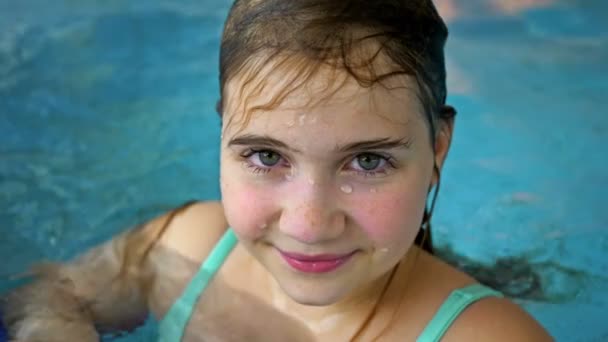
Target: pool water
{"points": [[107, 119]]}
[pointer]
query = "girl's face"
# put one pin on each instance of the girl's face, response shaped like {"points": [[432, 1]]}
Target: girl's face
{"points": [[328, 197]]}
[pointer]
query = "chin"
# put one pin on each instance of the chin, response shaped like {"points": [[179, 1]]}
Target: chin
{"points": [[316, 292]]}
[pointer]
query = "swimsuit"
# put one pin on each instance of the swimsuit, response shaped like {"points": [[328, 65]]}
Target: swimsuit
{"points": [[173, 325]]}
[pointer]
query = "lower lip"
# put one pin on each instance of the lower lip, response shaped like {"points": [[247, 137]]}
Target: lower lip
{"points": [[320, 266]]}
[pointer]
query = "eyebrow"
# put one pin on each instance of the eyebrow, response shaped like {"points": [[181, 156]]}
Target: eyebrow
{"points": [[376, 144], [373, 144]]}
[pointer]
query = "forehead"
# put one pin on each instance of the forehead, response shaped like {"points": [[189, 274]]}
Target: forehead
{"points": [[278, 92]]}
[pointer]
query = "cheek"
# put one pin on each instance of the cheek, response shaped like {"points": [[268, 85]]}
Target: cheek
{"points": [[390, 217], [247, 209]]}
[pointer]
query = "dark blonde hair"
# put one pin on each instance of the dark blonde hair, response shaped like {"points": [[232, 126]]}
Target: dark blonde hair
{"points": [[304, 36], [407, 36]]}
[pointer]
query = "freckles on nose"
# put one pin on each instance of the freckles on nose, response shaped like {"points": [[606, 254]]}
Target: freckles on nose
{"points": [[311, 216]]}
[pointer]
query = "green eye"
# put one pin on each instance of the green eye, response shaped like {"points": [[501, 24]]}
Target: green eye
{"points": [[368, 161], [269, 158]]}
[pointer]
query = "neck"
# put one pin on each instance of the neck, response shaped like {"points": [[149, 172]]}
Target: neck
{"points": [[363, 297], [350, 316]]}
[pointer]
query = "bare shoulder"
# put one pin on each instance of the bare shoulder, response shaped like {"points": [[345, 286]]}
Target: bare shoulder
{"points": [[489, 319], [193, 231], [496, 319]]}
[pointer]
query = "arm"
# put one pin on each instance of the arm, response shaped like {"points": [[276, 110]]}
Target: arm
{"points": [[105, 289]]}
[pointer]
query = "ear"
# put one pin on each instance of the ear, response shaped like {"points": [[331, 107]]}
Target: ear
{"points": [[443, 140]]}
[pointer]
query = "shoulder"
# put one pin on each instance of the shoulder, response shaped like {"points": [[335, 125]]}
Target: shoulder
{"points": [[496, 319], [488, 319], [193, 230]]}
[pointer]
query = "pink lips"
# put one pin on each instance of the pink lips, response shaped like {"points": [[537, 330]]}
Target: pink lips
{"points": [[320, 263]]}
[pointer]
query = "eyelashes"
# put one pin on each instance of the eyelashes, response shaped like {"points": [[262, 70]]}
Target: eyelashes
{"points": [[366, 164]]}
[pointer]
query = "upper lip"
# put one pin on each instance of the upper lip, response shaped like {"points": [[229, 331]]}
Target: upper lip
{"points": [[315, 257]]}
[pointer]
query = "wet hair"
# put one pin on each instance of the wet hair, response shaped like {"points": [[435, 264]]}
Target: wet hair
{"points": [[371, 41]]}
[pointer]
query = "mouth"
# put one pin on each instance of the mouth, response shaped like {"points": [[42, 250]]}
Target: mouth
{"points": [[318, 263]]}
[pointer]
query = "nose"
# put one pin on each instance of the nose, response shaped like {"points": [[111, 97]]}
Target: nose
{"points": [[311, 214]]}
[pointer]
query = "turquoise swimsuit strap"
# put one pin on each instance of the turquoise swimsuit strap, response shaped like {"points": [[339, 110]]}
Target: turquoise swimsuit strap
{"points": [[453, 306], [173, 325]]}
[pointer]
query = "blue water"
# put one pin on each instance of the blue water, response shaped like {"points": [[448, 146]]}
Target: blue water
{"points": [[107, 118]]}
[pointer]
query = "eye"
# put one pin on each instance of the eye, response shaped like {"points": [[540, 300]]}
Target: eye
{"points": [[268, 158], [371, 165], [368, 161], [263, 161]]}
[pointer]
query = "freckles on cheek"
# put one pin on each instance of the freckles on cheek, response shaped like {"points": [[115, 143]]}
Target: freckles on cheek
{"points": [[247, 210], [388, 218]]}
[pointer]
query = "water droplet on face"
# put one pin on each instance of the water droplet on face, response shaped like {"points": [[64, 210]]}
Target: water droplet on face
{"points": [[263, 226], [347, 189], [290, 123], [311, 181], [289, 176], [384, 250], [302, 119], [313, 119]]}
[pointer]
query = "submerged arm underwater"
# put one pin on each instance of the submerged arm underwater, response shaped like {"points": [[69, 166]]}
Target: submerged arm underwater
{"points": [[97, 292]]}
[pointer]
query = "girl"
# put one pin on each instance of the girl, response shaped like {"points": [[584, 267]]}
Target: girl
{"points": [[335, 130]]}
